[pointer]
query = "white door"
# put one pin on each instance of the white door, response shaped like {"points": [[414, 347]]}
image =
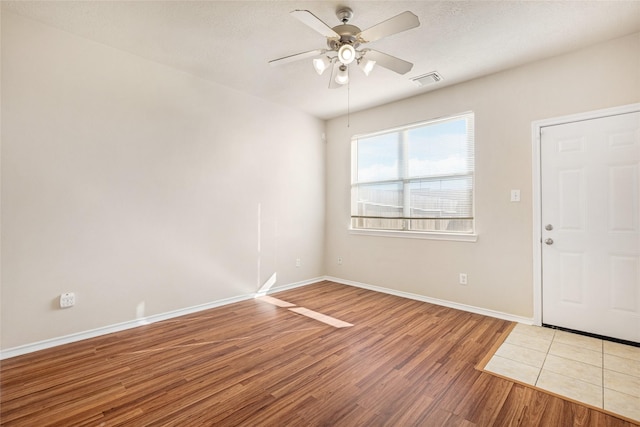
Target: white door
{"points": [[590, 213]]}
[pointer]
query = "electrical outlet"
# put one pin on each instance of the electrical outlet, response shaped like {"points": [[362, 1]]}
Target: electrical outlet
{"points": [[515, 195], [339, 260], [463, 278], [298, 262], [68, 299]]}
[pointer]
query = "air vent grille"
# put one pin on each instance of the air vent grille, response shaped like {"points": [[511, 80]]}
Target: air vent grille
{"points": [[427, 79]]}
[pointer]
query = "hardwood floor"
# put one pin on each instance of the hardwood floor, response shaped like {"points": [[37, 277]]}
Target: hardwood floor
{"points": [[403, 363]]}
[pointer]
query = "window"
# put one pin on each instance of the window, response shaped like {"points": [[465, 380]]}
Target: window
{"points": [[415, 178]]}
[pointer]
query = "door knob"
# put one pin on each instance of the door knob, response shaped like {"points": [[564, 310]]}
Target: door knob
{"points": [[549, 241], [548, 227]]}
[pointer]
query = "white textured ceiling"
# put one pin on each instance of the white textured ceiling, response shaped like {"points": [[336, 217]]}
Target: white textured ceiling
{"points": [[230, 42]]}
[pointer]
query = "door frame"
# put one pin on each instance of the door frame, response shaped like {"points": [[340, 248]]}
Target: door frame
{"points": [[536, 128]]}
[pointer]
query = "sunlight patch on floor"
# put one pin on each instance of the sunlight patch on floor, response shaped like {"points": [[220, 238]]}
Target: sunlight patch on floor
{"points": [[336, 323]]}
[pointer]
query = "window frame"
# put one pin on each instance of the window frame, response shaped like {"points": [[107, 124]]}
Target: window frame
{"points": [[405, 180]]}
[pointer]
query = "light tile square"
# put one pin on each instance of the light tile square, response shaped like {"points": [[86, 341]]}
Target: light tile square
{"points": [[623, 404], [574, 369], [534, 343], [512, 369], [576, 340], [622, 383], [622, 350], [570, 387], [534, 331], [622, 365], [522, 354], [576, 353]]}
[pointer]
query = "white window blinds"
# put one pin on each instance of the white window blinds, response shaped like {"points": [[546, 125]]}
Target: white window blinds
{"points": [[417, 178]]}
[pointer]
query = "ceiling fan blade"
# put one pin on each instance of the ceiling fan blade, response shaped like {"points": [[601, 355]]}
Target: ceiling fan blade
{"points": [[296, 57], [314, 22], [387, 61], [405, 21]]}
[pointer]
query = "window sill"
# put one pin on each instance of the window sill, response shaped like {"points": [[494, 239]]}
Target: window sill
{"points": [[415, 235]]}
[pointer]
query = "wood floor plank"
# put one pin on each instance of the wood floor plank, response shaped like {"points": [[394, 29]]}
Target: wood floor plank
{"points": [[402, 363], [484, 400]]}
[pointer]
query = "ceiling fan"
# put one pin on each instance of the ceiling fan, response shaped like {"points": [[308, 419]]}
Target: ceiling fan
{"points": [[344, 45]]}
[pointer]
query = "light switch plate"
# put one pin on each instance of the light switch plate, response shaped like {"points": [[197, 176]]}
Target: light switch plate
{"points": [[515, 195]]}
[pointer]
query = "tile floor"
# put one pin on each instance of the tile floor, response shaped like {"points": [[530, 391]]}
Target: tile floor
{"points": [[599, 373]]}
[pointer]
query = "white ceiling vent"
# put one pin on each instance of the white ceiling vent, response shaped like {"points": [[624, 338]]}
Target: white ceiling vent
{"points": [[427, 79]]}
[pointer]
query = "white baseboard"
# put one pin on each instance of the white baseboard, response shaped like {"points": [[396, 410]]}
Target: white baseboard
{"points": [[295, 285], [436, 301], [53, 342], [79, 336]]}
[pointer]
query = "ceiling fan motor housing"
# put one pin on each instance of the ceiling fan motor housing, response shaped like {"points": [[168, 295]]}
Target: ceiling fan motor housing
{"points": [[347, 34]]}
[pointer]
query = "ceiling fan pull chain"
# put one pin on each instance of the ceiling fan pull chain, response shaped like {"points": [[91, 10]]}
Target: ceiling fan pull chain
{"points": [[348, 104]]}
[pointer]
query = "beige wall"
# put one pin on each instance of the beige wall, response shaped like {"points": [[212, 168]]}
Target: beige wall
{"points": [[144, 189], [499, 264], [141, 188]]}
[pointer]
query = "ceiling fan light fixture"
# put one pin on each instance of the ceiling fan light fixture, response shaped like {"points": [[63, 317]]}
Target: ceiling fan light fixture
{"points": [[321, 64], [342, 77], [346, 54], [366, 65]]}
